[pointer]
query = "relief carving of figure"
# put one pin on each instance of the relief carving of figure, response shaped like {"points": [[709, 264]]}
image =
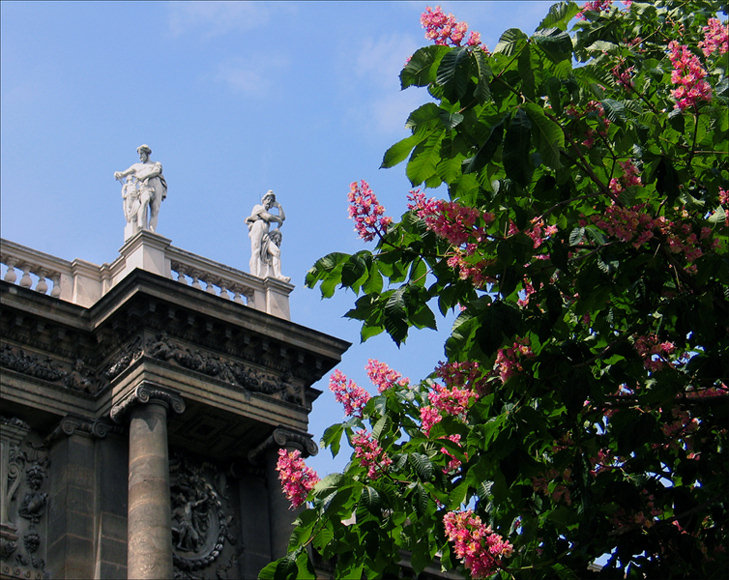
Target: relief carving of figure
{"points": [[143, 191], [266, 244]]}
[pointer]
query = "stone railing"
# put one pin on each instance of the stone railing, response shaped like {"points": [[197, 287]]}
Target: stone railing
{"points": [[84, 283]]}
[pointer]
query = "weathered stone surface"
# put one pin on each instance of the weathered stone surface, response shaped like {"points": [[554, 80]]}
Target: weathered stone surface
{"points": [[103, 501]]}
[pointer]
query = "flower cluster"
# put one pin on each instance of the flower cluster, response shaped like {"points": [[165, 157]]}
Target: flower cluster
{"points": [[383, 376], [296, 478], [454, 463], [462, 374], [716, 37], [366, 211], [594, 6], [444, 30], [689, 75], [623, 75], [452, 401], [370, 454], [463, 227], [475, 544], [459, 224], [349, 393], [633, 225], [629, 178], [653, 352], [508, 360]]}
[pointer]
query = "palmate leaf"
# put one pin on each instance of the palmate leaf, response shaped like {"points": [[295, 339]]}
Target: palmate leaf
{"points": [[555, 43], [550, 137], [420, 70], [453, 72], [396, 316], [400, 150], [511, 42], [517, 144], [559, 16]]}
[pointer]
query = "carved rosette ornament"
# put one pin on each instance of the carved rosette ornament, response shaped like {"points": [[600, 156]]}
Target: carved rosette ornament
{"points": [[23, 500], [203, 527]]}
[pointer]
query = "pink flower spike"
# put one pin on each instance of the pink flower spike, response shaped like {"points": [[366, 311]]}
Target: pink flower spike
{"points": [[349, 393], [383, 376], [296, 478], [366, 211]]}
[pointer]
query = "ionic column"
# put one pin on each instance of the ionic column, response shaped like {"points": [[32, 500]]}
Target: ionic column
{"points": [[149, 547]]}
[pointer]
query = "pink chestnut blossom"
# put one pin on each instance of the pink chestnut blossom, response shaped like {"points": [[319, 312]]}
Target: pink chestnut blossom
{"points": [[716, 37], [383, 376], [445, 30], [689, 75], [349, 393], [475, 544], [366, 211], [296, 478], [370, 454]]}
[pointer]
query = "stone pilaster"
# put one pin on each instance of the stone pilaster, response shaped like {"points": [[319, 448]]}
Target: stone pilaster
{"points": [[149, 525], [281, 516]]}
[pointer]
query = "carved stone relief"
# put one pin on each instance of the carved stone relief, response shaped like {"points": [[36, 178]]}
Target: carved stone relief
{"points": [[78, 376], [23, 500], [162, 347], [204, 528]]}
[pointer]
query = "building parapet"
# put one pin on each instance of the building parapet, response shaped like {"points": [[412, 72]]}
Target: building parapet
{"points": [[83, 283]]}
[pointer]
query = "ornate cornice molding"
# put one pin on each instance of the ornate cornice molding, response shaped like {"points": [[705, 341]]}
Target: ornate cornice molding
{"points": [[282, 437], [144, 394]]}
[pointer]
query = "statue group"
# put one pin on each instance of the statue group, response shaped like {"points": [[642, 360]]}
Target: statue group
{"points": [[266, 242], [144, 188]]}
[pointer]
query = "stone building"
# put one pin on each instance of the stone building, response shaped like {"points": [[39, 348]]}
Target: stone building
{"points": [[143, 403]]}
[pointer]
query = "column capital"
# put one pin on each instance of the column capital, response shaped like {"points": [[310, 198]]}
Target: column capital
{"points": [[282, 437], [75, 424], [144, 394]]}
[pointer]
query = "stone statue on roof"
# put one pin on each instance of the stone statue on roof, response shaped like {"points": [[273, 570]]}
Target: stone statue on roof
{"points": [[143, 190], [266, 243]]}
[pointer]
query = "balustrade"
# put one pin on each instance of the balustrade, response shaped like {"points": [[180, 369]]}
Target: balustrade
{"points": [[84, 283]]}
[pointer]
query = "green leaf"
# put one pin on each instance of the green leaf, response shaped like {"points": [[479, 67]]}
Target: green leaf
{"points": [[304, 567], [550, 137], [425, 157], [286, 568], [422, 465], [354, 270], [559, 16], [420, 70], [453, 72], [517, 145], [614, 110], [526, 73], [400, 150], [483, 74], [554, 43], [487, 151], [423, 117], [371, 500], [511, 42], [328, 270], [332, 437], [396, 316]]}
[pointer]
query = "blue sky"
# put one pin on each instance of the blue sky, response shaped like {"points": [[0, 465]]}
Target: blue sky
{"points": [[234, 98]]}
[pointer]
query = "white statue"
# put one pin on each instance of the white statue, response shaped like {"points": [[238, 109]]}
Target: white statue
{"points": [[266, 244], [143, 191]]}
